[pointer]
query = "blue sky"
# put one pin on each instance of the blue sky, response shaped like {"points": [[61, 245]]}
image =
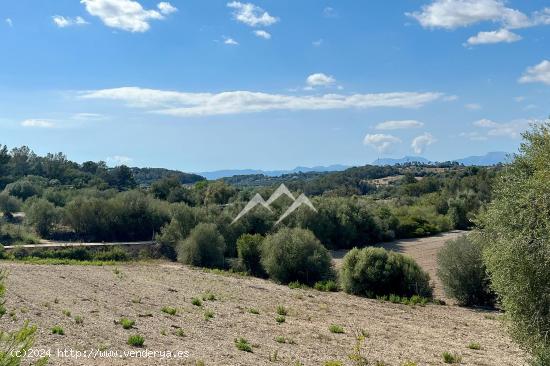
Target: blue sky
{"points": [[202, 85]]}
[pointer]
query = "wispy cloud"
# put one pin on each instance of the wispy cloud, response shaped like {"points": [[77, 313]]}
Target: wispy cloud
{"points": [[127, 15], [230, 41], [38, 123], [317, 43], [182, 104], [399, 125], [262, 34], [539, 73], [63, 22], [420, 143], [473, 106], [251, 15], [329, 12], [381, 142], [9, 22], [118, 160], [511, 129], [502, 35]]}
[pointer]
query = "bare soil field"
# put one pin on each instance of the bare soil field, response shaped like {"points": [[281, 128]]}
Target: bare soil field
{"points": [[102, 295]]}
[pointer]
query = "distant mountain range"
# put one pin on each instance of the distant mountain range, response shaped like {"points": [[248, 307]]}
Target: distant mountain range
{"points": [[491, 158], [271, 173]]}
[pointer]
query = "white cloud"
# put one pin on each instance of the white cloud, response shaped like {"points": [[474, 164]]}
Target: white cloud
{"points": [[127, 15], [420, 143], [88, 116], [262, 34], [182, 104], [38, 123], [381, 142], [511, 129], [320, 79], [398, 125], [317, 43], [251, 14], [537, 74], [329, 12], [473, 136], [502, 35], [472, 106], [119, 160], [9, 22], [166, 8], [230, 41], [519, 99], [63, 22], [451, 14]]}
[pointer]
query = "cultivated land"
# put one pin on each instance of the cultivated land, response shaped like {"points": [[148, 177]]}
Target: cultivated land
{"points": [[104, 295]]}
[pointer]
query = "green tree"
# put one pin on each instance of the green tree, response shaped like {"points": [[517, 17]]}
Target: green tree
{"points": [[514, 231], [249, 253], [203, 247], [296, 255], [43, 215]]}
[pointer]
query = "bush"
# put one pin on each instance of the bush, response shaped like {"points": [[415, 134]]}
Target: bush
{"points": [[373, 272], [463, 273], [335, 328], [43, 215], [204, 247], [296, 255], [127, 323], [249, 253], [136, 340], [243, 345], [58, 330], [514, 232], [169, 310]]}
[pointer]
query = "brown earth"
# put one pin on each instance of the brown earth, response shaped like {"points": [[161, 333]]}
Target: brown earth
{"points": [[138, 291]]}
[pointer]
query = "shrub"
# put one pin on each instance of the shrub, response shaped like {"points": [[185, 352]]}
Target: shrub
{"points": [[58, 330], [243, 345], [136, 340], [127, 323], [208, 314], [335, 328], [373, 272], [474, 345], [249, 253], [281, 310], [296, 255], [280, 319], [514, 234], [169, 310], [451, 358], [463, 273], [43, 215], [326, 286], [196, 301], [203, 247]]}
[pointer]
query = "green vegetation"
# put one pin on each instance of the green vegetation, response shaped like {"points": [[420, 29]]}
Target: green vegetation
{"points": [[463, 273], [243, 345], [204, 247], [474, 345], [326, 286], [281, 310], [335, 328], [58, 330], [208, 314], [280, 319], [196, 301], [295, 255], [375, 272], [514, 234], [169, 310], [249, 252], [127, 323], [254, 311], [136, 340], [78, 320], [451, 358]]}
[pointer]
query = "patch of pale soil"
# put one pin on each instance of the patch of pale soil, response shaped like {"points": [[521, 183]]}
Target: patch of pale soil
{"points": [[423, 250], [102, 295]]}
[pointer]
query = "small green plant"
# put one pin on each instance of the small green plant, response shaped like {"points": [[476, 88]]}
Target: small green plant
{"points": [[196, 301], [333, 363], [200, 363], [295, 285], [208, 314], [335, 328], [209, 297], [280, 319], [449, 357], [243, 345], [281, 310], [66, 313], [136, 340], [274, 357], [280, 339], [180, 332], [254, 311], [474, 345], [127, 323], [169, 310], [58, 330], [326, 286], [409, 363], [163, 332], [78, 319]]}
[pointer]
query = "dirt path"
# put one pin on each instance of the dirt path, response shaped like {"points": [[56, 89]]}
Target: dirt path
{"points": [[102, 295], [423, 250]]}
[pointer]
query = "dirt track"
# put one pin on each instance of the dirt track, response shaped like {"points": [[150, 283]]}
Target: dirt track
{"points": [[102, 295]]}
